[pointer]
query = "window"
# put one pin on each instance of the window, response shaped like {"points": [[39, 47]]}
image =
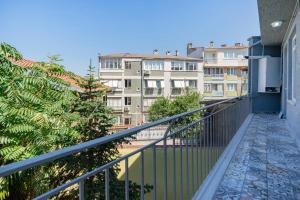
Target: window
{"points": [[114, 102], [206, 71], [127, 65], [111, 64], [127, 83], [160, 84], [191, 83], [217, 87], [112, 83], [127, 120], [213, 71], [127, 101], [191, 66], [177, 84], [154, 84], [151, 84], [231, 71], [153, 65], [244, 73], [177, 66], [207, 87], [229, 54], [231, 86]]}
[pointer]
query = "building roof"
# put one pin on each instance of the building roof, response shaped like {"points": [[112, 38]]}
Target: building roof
{"points": [[73, 80], [226, 47], [150, 56], [23, 63]]}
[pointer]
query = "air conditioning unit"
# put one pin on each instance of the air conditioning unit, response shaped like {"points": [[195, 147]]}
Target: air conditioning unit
{"points": [[147, 72], [269, 74], [126, 109]]}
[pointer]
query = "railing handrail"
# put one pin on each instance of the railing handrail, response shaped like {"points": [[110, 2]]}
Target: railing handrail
{"points": [[9, 169]]}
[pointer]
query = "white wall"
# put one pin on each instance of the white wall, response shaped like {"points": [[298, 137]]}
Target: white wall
{"points": [[293, 108]]}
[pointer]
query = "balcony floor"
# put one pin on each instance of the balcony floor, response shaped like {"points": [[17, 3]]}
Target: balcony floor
{"points": [[266, 164]]}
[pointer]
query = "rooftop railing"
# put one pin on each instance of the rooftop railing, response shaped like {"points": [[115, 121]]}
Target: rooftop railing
{"points": [[170, 167]]}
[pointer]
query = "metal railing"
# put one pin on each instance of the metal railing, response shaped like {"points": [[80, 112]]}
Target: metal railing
{"points": [[177, 163]]}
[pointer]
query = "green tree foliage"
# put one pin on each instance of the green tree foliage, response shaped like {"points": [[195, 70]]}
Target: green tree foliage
{"points": [[164, 107], [55, 58], [95, 121], [40, 113], [35, 118]]}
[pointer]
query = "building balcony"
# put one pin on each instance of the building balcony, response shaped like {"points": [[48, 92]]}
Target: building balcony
{"points": [[181, 91], [217, 93], [116, 108], [153, 91], [220, 151], [226, 62], [209, 77], [177, 91]]}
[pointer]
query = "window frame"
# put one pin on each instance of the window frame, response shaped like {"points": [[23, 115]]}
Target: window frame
{"points": [[127, 101], [127, 83], [233, 89], [127, 64], [177, 66]]}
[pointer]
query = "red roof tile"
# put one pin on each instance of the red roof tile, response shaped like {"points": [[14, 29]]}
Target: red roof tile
{"points": [[73, 81]]}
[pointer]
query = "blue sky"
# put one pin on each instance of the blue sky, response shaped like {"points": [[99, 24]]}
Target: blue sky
{"points": [[79, 30]]}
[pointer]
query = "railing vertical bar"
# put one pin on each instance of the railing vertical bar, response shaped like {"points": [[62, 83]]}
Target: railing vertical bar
{"points": [[197, 155], [106, 184], [211, 140], [180, 155], [174, 168], [142, 175], [192, 147], [81, 190], [187, 163], [165, 171], [210, 143], [154, 173], [219, 132], [218, 135], [126, 180], [201, 148], [207, 145]]}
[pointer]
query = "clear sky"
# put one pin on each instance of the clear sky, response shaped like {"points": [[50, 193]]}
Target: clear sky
{"points": [[80, 29]]}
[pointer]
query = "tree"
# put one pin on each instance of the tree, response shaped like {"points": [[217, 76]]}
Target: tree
{"points": [[96, 120], [55, 58], [164, 107], [35, 118]]}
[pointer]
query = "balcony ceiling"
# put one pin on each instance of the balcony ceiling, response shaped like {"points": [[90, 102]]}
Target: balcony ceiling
{"points": [[270, 11]]}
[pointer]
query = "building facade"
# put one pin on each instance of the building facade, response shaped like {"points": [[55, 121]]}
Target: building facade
{"points": [[225, 69], [137, 80]]}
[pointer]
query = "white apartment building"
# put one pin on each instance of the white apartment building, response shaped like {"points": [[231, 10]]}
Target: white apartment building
{"points": [[137, 80], [225, 69]]}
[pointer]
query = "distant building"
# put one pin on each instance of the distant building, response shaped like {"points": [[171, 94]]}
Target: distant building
{"points": [[137, 80], [225, 69]]}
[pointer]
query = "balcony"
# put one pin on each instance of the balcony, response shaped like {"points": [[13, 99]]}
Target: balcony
{"points": [[180, 91], [177, 91], [231, 62], [153, 91], [217, 93], [116, 108], [265, 165], [220, 151], [208, 77]]}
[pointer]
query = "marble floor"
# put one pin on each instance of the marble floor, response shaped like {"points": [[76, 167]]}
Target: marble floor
{"points": [[266, 164]]}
